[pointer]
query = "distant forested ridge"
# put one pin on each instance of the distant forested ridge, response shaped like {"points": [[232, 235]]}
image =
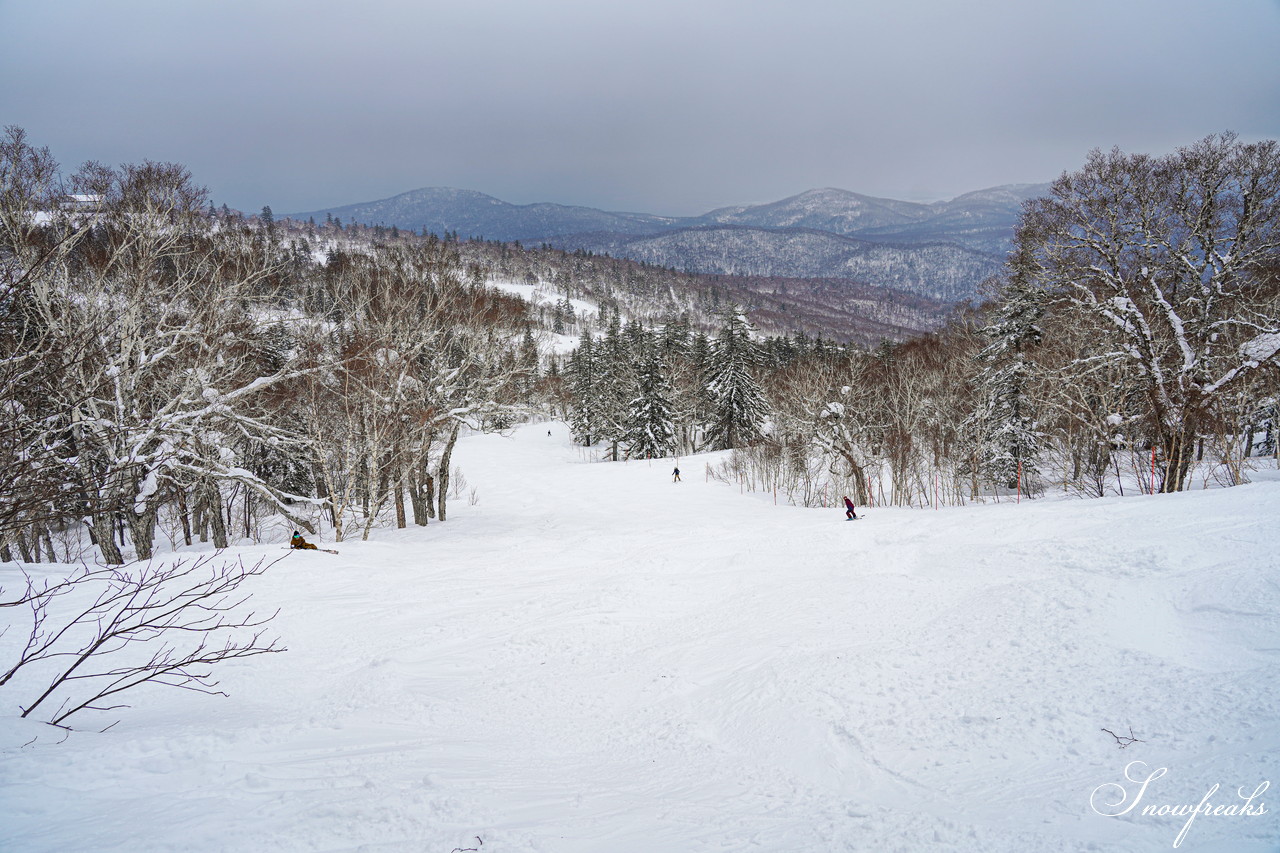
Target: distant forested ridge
{"points": [[942, 250]]}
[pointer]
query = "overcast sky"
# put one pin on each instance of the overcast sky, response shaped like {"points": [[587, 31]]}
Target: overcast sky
{"points": [[662, 106]]}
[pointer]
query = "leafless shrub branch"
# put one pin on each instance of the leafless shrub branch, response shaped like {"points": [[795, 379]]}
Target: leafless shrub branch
{"points": [[1122, 740], [165, 624]]}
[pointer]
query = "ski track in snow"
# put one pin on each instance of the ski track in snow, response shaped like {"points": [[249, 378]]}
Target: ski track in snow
{"points": [[593, 658]]}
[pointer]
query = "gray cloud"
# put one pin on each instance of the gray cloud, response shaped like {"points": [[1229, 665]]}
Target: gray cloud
{"points": [[668, 107]]}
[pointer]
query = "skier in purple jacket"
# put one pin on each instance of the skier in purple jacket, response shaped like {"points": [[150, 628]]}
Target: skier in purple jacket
{"points": [[848, 512]]}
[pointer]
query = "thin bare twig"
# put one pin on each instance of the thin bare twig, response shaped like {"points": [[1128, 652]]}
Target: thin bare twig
{"points": [[1122, 740]]}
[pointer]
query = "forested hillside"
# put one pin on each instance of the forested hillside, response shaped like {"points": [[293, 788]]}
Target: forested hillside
{"points": [[941, 271], [838, 309], [1134, 343], [843, 310], [942, 250], [175, 370]]}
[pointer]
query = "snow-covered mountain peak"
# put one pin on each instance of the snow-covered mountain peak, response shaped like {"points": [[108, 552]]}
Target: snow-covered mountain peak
{"points": [[827, 209]]}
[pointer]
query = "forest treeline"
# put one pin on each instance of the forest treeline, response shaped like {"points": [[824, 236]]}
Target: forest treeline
{"points": [[166, 364], [1132, 342], [842, 310], [173, 370]]}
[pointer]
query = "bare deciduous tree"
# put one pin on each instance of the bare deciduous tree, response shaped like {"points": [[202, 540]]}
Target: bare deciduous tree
{"points": [[1170, 255]]}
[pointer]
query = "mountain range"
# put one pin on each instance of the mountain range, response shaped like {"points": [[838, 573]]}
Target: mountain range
{"points": [[942, 250]]}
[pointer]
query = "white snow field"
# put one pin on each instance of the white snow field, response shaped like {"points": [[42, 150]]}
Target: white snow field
{"points": [[592, 659]]}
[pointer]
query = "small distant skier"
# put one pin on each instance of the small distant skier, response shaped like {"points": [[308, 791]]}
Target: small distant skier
{"points": [[675, 476], [301, 544], [849, 514]]}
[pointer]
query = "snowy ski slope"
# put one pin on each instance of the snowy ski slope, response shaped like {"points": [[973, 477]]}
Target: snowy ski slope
{"points": [[592, 659]]}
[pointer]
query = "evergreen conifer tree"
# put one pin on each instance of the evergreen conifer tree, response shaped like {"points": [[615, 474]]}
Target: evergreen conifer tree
{"points": [[674, 347], [651, 430], [739, 409], [567, 311], [697, 404], [1003, 428], [528, 358], [617, 386], [583, 373]]}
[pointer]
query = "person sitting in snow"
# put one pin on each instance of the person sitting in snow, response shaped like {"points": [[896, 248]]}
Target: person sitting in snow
{"points": [[301, 544], [848, 511]]}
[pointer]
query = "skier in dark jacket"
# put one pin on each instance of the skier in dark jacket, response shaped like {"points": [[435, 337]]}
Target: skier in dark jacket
{"points": [[301, 544], [848, 509], [675, 476]]}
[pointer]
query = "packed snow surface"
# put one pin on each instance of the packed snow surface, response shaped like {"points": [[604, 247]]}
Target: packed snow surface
{"points": [[594, 658]]}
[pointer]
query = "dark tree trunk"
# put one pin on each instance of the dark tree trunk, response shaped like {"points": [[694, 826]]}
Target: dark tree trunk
{"points": [[445, 457], [211, 498], [23, 548], [398, 491], [104, 530], [417, 502], [185, 515], [142, 530]]}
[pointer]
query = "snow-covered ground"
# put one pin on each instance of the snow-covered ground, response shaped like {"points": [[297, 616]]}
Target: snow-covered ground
{"points": [[594, 659], [542, 294]]}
